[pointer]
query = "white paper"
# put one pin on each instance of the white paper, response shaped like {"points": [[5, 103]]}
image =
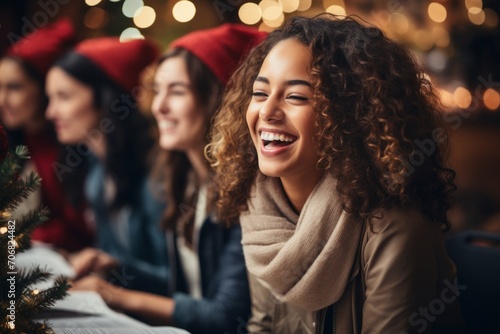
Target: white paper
{"points": [[85, 312], [47, 259], [84, 302], [81, 312], [153, 330]]}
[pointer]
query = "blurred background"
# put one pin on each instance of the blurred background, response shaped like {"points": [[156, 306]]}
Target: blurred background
{"points": [[457, 42]]}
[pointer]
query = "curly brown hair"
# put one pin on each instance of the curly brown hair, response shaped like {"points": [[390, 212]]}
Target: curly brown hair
{"points": [[375, 110]]}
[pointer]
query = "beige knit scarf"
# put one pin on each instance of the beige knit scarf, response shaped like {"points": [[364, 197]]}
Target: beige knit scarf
{"points": [[305, 260]]}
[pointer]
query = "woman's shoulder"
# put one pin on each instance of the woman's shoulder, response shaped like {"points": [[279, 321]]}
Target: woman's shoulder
{"points": [[401, 221], [402, 233]]}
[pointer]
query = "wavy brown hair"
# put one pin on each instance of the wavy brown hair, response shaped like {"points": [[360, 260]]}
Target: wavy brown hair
{"points": [[173, 168], [375, 109]]}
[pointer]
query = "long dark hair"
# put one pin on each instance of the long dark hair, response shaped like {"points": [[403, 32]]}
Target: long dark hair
{"points": [[173, 168], [129, 143]]}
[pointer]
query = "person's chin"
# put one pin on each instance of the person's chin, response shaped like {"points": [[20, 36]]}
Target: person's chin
{"points": [[169, 145], [270, 170], [66, 140], [9, 124]]}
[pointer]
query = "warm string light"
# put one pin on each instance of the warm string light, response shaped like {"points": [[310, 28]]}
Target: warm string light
{"points": [[271, 14], [437, 12], [184, 11], [250, 13], [491, 99], [5, 214], [130, 7], [92, 2]]}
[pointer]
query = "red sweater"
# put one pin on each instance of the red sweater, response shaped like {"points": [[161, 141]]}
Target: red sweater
{"points": [[66, 227]]}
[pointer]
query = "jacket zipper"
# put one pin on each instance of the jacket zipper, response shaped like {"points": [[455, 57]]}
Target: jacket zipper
{"points": [[320, 321], [334, 318], [321, 318]]}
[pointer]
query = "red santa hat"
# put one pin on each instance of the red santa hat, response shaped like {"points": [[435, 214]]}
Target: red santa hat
{"points": [[222, 48], [41, 48], [122, 62]]}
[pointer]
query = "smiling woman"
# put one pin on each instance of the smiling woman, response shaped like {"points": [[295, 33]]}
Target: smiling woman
{"points": [[307, 149], [280, 117], [207, 279], [23, 103], [85, 87], [71, 107]]}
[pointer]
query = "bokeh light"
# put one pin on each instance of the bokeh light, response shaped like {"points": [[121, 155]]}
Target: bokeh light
{"points": [[184, 11], [272, 13], [441, 36], [491, 99], [144, 17], [437, 12], [131, 6], [130, 33], [477, 18], [423, 40], [304, 5], [289, 6], [92, 2], [336, 10], [399, 23], [437, 60], [96, 18], [276, 22], [328, 3], [446, 97], [250, 13], [462, 97], [473, 3], [264, 4], [491, 18]]}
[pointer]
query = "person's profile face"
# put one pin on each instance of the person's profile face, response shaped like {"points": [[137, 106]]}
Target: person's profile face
{"points": [[280, 115], [21, 97], [180, 121], [71, 107]]}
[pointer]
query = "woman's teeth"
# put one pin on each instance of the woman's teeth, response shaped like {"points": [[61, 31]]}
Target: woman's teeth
{"points": [[166, 124], [272, 136]]}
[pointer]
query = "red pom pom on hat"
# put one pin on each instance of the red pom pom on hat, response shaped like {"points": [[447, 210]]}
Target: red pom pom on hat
{"points": [[41, 48], [222, 48], [122, 62]]}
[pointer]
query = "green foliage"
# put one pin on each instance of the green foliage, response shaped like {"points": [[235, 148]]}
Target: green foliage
{"points": [[29, 302]]}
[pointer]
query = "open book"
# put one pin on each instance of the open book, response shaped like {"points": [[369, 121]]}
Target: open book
{"points": [[85, 312], [46, 258], [82, 312]]}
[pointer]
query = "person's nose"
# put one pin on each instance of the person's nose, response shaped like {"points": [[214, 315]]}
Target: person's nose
{"points": [[272, 110], [160, 105], [51, 111], [3, 97]]}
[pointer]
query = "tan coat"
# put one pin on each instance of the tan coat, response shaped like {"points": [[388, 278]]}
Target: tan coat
{"points": [[405, 283]]}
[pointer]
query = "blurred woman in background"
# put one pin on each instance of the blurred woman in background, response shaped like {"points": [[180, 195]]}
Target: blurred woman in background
{"points": [[22, 112], [93, 108], [208, 282]]}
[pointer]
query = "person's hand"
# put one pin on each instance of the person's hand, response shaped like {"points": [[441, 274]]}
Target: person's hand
{"points": [[92, 260], [109, 292]]}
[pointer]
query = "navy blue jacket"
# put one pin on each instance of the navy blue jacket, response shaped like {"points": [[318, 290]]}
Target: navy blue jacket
{"points": [[144, 264], [225, 307]]}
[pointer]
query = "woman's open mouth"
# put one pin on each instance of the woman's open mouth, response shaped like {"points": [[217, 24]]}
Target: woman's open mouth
{"points": [[274, 143]]}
